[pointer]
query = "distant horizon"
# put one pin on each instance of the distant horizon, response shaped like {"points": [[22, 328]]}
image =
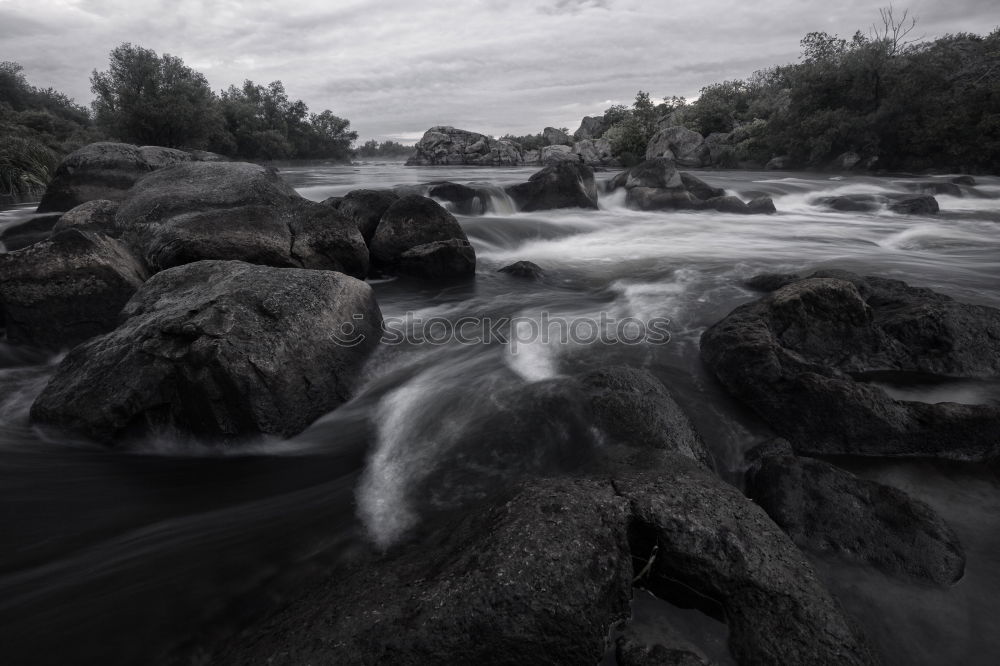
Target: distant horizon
{"points": [[488, 67]]}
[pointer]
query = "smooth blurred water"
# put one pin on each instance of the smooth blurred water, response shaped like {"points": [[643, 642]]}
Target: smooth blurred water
{"points": [[126, 555]]}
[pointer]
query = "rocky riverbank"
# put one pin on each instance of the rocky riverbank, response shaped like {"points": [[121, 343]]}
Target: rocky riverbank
{"points": [[209, 301]]}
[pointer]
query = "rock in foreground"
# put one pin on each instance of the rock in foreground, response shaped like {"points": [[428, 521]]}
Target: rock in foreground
{"points": [[828, 510], [541, 578], [805, 358], [218, 349], [60, 292]]}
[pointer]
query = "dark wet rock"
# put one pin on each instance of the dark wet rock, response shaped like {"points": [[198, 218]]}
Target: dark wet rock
{"points": [[699, 188], [29, 232], [104, 170], [826, 510], [438, 260], [727, 204], [97, 216], [906, 204], [919, 205], [445, 145], [220, 349], [562, 185], [591, 127], [542, 577], [968, 181], [366, 208], [771, 281], [659, 172], [464, 200], [671, 649], [524, 269], [851, 203], [634, 410], [556, 137], [60, 292], [658, 198], [235, 211], [762, 205], [686, 147], [419, 237], [803, 358], [935, 187]]}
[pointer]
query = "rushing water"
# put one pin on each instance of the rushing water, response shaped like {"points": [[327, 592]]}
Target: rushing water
{"points": [[124, 556]]}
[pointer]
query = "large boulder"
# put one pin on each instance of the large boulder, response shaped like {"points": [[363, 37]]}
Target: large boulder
{"points": [[60, 292], [416, 236], [595, 152], [816, 357], [827, 510], [591, 127], [686, 147], [556, 137], [235, 211], [542, 577], [562, 185], [104, 171], [444, 145], [365, 208], [220, 349]]}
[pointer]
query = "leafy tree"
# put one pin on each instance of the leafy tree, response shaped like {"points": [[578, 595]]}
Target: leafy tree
{"points": [[149, 99]]}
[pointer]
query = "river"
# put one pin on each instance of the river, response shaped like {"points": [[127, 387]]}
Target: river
{"points": [[120, 557]]}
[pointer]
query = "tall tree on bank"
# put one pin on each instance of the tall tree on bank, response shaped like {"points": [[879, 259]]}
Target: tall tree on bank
{"points": [[157, 100]]}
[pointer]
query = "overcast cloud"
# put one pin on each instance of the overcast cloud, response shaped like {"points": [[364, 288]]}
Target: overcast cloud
{"points": [[397, 67]]}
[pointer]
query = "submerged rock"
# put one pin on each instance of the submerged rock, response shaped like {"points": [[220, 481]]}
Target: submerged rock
{"points": [[60, 292], [563, 185], [29, 232], [827, 510], [919, 205], [524, 269], [416, 236], [656, 184], [105, 170], [235, 211], [803, 358], [219, 349], [906, 204]]}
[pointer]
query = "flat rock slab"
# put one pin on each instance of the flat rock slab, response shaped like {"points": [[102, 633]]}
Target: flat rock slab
{"points": [[222, 350]]}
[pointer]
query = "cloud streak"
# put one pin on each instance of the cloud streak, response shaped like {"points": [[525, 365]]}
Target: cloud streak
{"points": [[395, 68]]}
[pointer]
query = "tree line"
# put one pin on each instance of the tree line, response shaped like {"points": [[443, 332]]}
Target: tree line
{"points": [[895, 101]]}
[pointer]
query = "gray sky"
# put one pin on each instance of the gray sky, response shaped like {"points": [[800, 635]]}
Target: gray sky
{"points": [[397, 67]]}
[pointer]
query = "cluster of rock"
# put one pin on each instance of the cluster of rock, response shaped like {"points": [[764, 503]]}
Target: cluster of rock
{"points": [[450, 146], [915, 198], [656, 184], [204, 296], [540, 577]]}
